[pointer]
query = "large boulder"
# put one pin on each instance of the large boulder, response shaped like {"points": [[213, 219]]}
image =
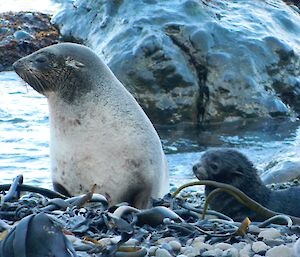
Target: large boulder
{"points": [[191, 60]]}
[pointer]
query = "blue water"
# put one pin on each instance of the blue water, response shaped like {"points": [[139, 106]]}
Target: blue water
{"points": [[24, 138]]}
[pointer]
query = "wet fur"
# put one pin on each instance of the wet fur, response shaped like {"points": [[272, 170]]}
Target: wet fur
{"points": [[99, 133], [231, 167]]}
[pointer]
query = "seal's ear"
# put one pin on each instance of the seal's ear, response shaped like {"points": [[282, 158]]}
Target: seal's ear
{"points": [[73, 63]]}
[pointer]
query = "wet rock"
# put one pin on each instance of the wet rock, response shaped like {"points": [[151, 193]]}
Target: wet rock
{"points": [[162, 253], [212, 253], [195, 60], [232, 252], [223, 246], [152, 250], [279, 251], [245, 251], [259, 247], [269, 234], [175, 245], [23, 33], [283, 171]]}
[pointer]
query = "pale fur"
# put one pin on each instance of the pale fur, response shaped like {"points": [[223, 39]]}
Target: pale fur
{"points": [[103, 149], [99, 133]]}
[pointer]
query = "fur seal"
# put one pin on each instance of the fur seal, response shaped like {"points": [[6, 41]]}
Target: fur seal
{"points": [[232, 167], [98, 132]]}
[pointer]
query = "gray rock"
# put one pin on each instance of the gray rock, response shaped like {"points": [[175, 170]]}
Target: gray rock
{"points": [[279, 251], [213, 253], [232, 252], [162, 253], [282, 172], [191, 60], [175, 245], [269, 234], [259, 247]]}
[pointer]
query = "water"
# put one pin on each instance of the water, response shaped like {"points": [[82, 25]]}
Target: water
{"points": [[24, 130], [24, 138]]}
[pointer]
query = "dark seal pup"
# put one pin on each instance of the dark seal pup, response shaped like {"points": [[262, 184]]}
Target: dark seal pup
{"points": [[99, 133], [231, 167]]}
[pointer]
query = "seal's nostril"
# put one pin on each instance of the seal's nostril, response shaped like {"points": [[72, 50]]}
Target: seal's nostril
{"points": [[16, 65], [195, 168]]}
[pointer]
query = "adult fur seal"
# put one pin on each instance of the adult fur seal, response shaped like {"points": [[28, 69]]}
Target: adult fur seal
{"points": [[98, 132], [231, 167]]}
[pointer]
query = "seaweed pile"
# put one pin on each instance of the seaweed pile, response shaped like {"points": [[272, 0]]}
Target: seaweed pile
{"points": [[44, 223]]}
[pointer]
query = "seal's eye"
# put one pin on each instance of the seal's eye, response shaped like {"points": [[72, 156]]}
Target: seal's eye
{"points": [[41, 59], [214, 166]]}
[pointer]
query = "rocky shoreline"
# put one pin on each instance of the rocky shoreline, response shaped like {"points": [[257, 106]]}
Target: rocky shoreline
{"points": [[87, 226], [23, 33]]}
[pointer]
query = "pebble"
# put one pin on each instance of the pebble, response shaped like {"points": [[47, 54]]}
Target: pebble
{"points": [[245, 252], [105, 241], [175, 245], [132, 242], [21, 35], [232, 252], [239, 245], [189, 250], [269, 234], [253, 229], [162, 253], [280, 251], [213, 253], [274, 242], [152, 250], [165, 240], [259, 247], [223, 246], [196, 239]]}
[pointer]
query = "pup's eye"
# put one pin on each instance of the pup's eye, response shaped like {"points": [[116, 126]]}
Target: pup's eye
{"points": [[213, 166], [41, 59]]}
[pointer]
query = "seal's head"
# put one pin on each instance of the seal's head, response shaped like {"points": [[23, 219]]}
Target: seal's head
{"points": [[66, 69], [225, 166]]}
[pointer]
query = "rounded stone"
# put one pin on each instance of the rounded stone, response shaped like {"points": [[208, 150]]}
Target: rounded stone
{"points": [[280, 251], [21, 35], [175, 245], [213, 253], [152, 250], [269, 234], [232, 252], [162, 253], [223, 246], [245, 252], [259, 246]]}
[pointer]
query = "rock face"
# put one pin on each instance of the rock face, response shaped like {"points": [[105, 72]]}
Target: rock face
{"points": [[190, 60]]}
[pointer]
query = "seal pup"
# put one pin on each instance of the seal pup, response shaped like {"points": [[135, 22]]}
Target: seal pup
{"points": [[98, 132], [232, 167]]}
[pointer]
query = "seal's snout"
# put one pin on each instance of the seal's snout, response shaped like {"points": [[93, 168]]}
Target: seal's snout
{"points": [[195, 168], [18, 66], [199, 171]]}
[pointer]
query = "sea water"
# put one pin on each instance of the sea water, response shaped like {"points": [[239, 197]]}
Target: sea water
{"points": [[24, 138]]}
